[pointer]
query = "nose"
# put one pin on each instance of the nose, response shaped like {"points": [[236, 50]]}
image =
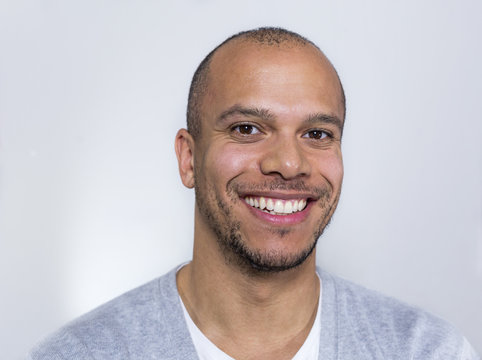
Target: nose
{"points": [[285, 158]]}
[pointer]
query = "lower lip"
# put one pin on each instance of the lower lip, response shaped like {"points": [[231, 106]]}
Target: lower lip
{"points": [[291, 219]]}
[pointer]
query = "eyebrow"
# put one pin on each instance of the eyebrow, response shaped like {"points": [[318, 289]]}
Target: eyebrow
{"points": [[246, 111], [265, 114], [326, 119]]}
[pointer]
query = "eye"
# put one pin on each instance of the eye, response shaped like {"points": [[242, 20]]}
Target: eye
{"points": [[316, 134], [246, 129]]}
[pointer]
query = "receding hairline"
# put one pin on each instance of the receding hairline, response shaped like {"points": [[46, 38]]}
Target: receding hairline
{"points": [[269, 37], [226, 48]]}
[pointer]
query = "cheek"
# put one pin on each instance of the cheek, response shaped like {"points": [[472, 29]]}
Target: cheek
{"points": [[230, 161], [331, 168]]}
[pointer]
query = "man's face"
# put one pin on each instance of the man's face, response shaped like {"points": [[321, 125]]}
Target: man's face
{"points": [[268, 165]]}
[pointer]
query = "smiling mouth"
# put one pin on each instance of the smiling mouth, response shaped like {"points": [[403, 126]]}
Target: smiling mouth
{"points": [[276, 206]]}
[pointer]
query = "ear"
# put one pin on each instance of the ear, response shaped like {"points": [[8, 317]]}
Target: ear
{"points": [[184, 145]]}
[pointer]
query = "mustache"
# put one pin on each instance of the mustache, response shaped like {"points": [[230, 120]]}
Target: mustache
{"points": [[279, 184]]}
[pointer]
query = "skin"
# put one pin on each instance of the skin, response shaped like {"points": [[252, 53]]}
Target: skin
{"points": [[290, 149]]}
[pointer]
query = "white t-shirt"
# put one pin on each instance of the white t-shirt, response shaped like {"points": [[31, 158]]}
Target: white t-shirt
{"points": [[206, 350]]}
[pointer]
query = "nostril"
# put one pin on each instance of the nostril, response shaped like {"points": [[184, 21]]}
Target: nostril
{"points": [[286, 161]]}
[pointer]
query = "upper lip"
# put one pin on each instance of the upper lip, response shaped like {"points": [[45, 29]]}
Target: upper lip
{"points": [[280, 195]]}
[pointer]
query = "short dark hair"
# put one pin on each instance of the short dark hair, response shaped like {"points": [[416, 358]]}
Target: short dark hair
{"points": [[271, 36]]}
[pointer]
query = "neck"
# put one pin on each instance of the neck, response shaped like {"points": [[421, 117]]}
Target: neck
{"points": [[247, 314]]}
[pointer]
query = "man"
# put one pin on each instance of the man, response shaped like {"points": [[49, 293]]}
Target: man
{"points": [[265, 119]]}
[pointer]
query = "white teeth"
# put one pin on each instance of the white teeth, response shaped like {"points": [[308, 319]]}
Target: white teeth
{"points": [[262, 203], [270, 205], [295, 206], [276, 206], [288, 208]]}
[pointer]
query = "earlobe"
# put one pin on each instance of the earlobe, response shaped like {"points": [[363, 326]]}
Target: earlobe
{"points": [[184, 146]]}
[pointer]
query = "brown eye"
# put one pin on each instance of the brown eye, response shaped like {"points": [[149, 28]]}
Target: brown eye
{"points": [[246, 129], [316, 134]]}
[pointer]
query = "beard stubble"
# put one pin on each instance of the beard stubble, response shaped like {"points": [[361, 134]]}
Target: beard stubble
{"points": [[219, 217]]}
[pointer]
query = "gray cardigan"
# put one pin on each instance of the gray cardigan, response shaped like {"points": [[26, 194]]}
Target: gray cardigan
{"points": [[148, 323]]}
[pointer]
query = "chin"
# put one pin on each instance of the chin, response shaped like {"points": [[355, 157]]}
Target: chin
{"points": [[256, 260]]}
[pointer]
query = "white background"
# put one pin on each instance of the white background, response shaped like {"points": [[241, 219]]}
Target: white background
{"points": [[91, 96]]}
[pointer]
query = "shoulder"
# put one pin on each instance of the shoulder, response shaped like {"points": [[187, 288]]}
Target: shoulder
{"points": [[123, 327], [391, 327]]}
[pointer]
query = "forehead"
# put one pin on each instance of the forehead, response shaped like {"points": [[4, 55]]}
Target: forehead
{"points": [[283, 75]]}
